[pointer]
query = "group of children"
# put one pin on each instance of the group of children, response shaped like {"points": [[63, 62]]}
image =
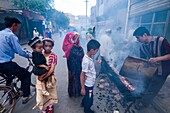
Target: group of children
{"points": [[44, 65], [41, 69]]}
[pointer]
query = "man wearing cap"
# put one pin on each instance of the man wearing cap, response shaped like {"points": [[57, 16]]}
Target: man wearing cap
{"points": [[9, 45], [35, 32], [90, 34]]}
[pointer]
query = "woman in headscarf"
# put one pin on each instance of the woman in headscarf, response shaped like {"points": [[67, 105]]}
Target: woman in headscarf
{"points": [[74, 54]]}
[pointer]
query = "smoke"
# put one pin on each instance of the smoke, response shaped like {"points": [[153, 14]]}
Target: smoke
{"points": [[115, 47]]}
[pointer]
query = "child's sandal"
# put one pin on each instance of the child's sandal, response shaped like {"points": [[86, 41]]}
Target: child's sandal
{"points": [[44, 92], [50, 109]]}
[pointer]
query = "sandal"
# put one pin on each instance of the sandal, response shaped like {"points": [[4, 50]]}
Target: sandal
{"points": [[50, 109], [46, 93]]}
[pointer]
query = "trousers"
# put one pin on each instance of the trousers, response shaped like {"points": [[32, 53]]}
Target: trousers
{"points": [[88, 99], [12, 68]]}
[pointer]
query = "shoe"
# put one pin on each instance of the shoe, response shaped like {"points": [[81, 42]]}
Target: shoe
{"points": [[46, 93], [50, 110], [26, 99]]}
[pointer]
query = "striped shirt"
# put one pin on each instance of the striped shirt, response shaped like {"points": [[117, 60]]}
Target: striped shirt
{"points": [[51, 59]]}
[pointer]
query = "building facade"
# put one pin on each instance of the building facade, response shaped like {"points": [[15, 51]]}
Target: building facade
{"points": [[152, 14], [28, 19], [130, 14], [110, 14]]}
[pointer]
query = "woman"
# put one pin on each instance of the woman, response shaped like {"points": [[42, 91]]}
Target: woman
{"points": [[74, 54], [45, 103]]}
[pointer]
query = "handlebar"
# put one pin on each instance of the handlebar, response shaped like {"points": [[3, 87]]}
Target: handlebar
{"points": [[27, 50]]}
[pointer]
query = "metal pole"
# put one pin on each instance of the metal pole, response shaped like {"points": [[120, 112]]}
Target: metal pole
{"points": [[127, 17], [86, 13], [24, 7]]}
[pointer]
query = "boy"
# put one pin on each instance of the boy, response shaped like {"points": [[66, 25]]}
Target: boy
{"points": [[88, 75], [39, 61]]}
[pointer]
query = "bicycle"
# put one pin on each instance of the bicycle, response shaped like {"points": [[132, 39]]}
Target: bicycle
{"points": [[11, 93]]}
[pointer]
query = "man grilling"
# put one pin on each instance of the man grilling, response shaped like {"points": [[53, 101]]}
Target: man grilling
{"points": [[157, 50]]}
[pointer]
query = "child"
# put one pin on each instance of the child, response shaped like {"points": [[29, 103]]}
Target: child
{"points": [[39, 61], [88, 75], [46, 102]]}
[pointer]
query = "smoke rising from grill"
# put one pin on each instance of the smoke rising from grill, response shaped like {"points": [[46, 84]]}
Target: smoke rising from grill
{"points": [[115, 47]]}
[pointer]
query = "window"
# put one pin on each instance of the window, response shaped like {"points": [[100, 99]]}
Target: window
{"points": [[161, 16], [147, 18], [167, 36], [157, 25], [158, 29], [137, 19]]}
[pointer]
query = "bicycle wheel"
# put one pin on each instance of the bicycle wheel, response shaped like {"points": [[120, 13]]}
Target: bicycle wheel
{"points": [[7, 100]]}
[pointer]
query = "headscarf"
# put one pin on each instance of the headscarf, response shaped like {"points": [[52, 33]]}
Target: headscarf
{"points": [[68, 43]]}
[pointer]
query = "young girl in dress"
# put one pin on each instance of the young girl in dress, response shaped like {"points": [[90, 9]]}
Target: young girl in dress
{"points": [[45, 103]]}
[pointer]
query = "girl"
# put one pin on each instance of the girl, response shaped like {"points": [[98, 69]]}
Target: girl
{"points": [[45, 103]]}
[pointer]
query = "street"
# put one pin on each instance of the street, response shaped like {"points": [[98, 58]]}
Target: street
{"points": [[124, 29]]}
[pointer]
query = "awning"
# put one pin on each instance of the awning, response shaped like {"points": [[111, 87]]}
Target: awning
{"points": [[32, 15]]}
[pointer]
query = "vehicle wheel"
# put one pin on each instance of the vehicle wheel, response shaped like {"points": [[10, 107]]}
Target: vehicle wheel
{"points": [[7, 100]]}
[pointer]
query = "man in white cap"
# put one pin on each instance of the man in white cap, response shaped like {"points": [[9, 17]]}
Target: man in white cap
{"points": [[35, 32]]}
